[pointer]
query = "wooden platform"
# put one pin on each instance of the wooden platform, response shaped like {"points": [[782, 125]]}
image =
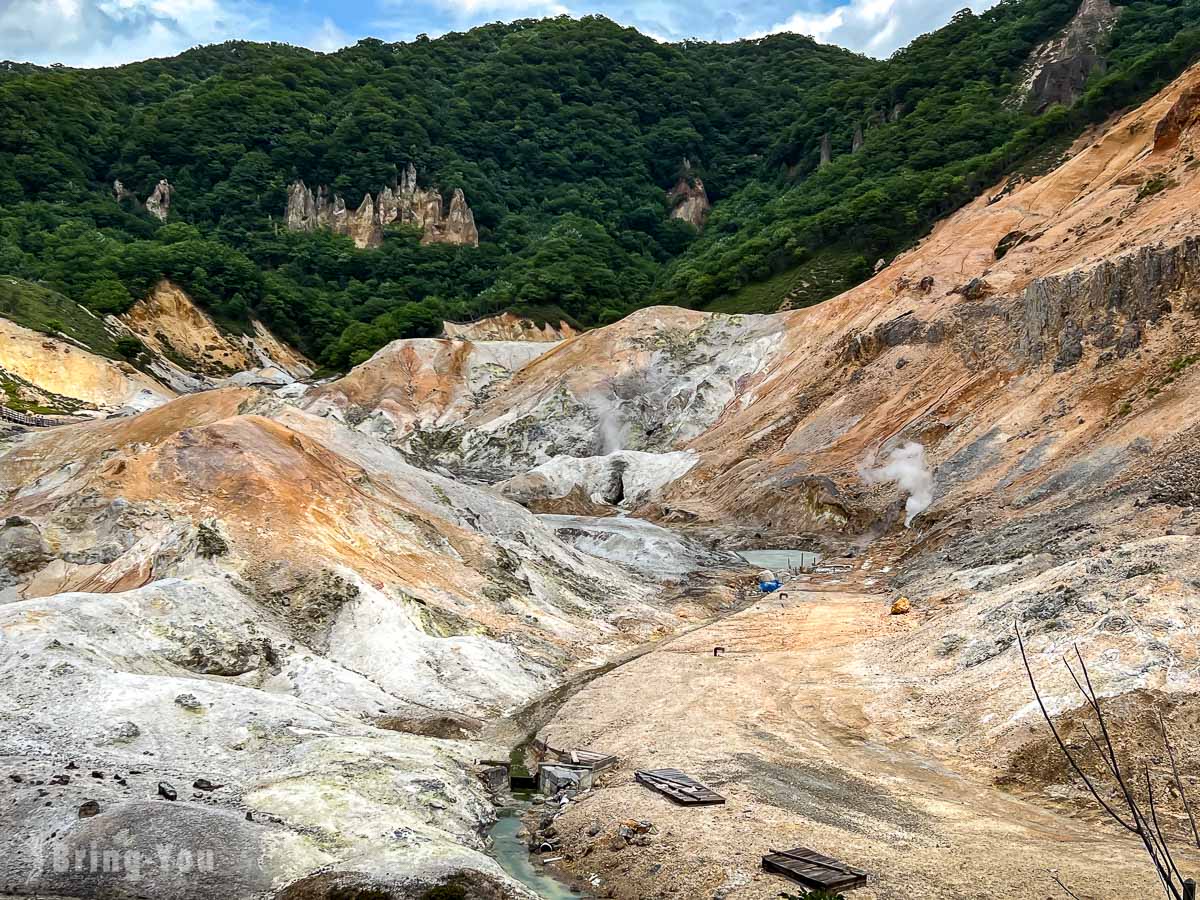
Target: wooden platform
{"points": [[813, 870], [678, 787], [578, 757]]}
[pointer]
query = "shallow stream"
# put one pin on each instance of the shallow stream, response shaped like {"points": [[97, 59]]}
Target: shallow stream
{"points": [[513, 855]]}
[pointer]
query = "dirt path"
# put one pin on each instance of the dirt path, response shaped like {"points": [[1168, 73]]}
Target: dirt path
{"points": [[780, 725]]}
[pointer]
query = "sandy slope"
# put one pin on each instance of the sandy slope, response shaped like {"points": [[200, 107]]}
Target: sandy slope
{"points": [[787, 724]]}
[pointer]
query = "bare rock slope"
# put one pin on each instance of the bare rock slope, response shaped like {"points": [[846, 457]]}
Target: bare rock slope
{"points": [[270, 613]]}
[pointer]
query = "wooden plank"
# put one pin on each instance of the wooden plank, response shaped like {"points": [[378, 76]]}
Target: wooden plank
{"points": [[813, 869], [679, 787]]}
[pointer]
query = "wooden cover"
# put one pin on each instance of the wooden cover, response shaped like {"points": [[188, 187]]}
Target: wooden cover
{"points": [[813, 870], [678, 787]]}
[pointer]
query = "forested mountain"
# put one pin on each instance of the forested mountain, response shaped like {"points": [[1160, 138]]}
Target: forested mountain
{"points": [[565, 136]]}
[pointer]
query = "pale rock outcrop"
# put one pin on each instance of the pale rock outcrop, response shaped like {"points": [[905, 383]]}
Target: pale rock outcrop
{"points": [[62, 369], [498, 408], [158, 204], [652, 550], [406, 203], [1057, 70], [422, 383], [688, 201], [507, 327], [857, 143], [826, 149], [623, 478]]}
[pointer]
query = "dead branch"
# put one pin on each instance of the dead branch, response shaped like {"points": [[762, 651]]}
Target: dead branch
{"points": [[1148, 829]]}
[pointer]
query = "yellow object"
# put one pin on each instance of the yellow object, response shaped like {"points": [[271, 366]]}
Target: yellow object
{"points": [[901, 606]]}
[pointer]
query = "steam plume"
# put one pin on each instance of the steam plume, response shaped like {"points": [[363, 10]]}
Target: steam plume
{"points": [[906, 466]]}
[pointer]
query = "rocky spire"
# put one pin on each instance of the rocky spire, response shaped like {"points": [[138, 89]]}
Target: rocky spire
{"points": [[158, 204], [688, 200], [826, 149], [857, 143]]}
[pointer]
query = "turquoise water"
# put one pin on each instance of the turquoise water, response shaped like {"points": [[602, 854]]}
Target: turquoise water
{"points": [[779, 561], [514, 857]]}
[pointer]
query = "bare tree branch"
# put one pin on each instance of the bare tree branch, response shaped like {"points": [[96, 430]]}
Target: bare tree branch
{"points": [[1162, 727], [1063, 747]]}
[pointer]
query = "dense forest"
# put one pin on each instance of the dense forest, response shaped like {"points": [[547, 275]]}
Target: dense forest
{"points": [[565, 135]]}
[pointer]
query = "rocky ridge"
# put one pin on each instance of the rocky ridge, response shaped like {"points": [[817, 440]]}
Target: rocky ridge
{"points": [[507, 326], [183, 351]]}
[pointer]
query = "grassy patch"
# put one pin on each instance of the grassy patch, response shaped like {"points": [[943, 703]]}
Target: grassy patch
{"points": [[1177, 366], [46, 311], [1154, 185], [826, 274]]}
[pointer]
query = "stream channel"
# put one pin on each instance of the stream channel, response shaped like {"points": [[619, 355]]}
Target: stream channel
{"points": [[508, 835]]}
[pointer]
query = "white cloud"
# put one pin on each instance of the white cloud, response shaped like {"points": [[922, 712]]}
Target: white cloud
{"points": [[875, 27], [474, 12], [328, 37], [110, 32]]}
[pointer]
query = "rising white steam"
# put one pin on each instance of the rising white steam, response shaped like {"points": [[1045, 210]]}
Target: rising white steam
{"points": [[906, 466], [611, 427]]}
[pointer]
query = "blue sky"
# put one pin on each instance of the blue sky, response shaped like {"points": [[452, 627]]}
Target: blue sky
{"points": [[109, 32]]}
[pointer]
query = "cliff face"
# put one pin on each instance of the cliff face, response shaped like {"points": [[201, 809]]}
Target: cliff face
{"points": [[688, 201], [1058, 70], [407, 204], [175, 329]]}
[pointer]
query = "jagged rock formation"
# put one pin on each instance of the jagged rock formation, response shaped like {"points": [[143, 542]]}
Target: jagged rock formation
{"points": [[507, 327], [857, 143], [1057, 71], [688, 200], [158, 204], [826, 149], [406, 203]]}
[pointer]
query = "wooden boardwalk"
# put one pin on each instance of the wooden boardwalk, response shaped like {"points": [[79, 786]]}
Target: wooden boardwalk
{"points": [[678, 787], [813, 870], [32, 421]]}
